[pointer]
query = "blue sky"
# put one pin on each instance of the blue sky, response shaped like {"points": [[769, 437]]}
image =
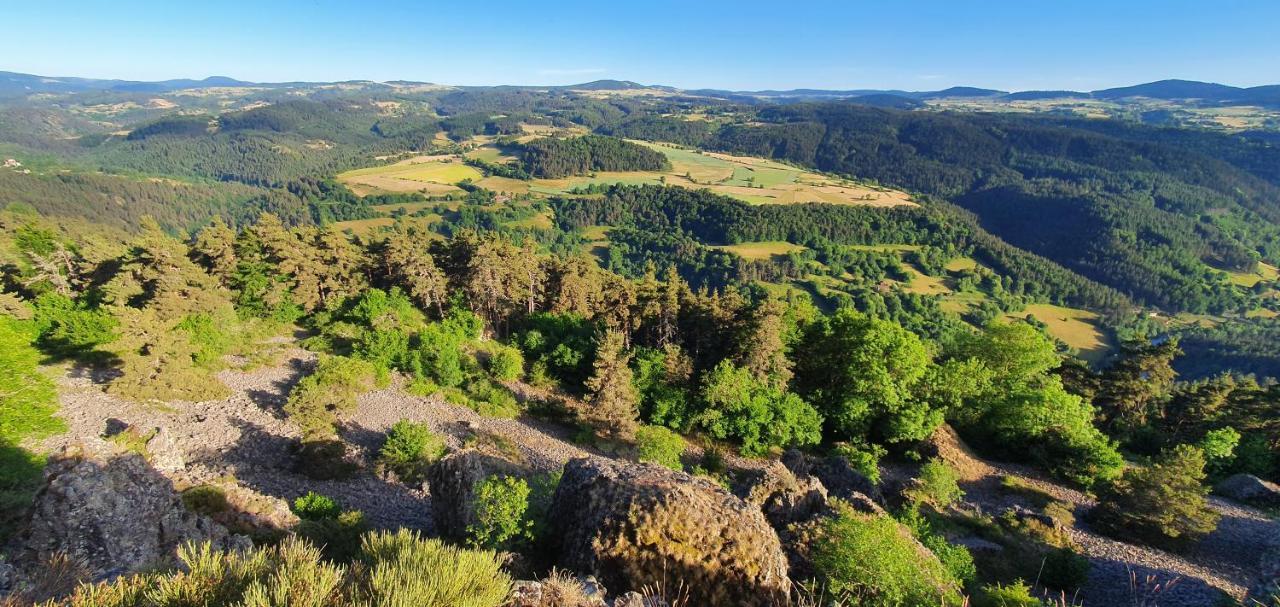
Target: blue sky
{"points": [[923, 45]]}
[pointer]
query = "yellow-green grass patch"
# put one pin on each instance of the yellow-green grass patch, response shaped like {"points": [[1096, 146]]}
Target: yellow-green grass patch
{"points": [[1248, 279], [1079, 329], [760, 250]]}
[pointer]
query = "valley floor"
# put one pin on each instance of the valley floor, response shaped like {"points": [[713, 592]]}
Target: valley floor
{"points": [[245, 440]]}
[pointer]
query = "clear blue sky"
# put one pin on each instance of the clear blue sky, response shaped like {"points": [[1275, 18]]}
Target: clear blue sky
{"points": [[1007, 44]]}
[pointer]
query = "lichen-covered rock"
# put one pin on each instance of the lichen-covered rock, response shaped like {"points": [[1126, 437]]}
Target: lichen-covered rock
{"points": [[842, 480], [784, 498], [453, 482], [1249, 489], [114, 514], [640, 524]]}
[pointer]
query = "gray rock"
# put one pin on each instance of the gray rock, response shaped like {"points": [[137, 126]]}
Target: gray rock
{"points": [[633, 525], [842, 481], [525, 593], [115, 515], [1249, 489], [784, 497]]}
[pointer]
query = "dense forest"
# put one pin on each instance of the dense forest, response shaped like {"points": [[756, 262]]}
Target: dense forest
{"points": [[554, 158]]}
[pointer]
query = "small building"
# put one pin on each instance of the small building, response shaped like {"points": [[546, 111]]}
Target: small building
{"points": [[11, 163]]}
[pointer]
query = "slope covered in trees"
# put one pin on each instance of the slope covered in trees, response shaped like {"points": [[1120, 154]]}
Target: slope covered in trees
{"points": [[554, 158]]}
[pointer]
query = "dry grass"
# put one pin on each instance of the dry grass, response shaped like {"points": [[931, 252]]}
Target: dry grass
{"points": [[1079, 329]]}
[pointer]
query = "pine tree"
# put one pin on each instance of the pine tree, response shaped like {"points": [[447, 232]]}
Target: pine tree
{"points": [[215, 249], [411, 265], [761, 349], [612, 402]]}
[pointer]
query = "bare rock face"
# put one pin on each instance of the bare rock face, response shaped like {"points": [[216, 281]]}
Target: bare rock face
{"points": [[640, 524], [1249, 489], [453, 482], [115, 515], [784, 497]]}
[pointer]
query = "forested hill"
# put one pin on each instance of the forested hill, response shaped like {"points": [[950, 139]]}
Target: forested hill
{"points": [[1153, 214]]}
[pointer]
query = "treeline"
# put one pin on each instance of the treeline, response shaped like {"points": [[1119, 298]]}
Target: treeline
{"points": [[701, 217], [1149, 218], [555, 158]]}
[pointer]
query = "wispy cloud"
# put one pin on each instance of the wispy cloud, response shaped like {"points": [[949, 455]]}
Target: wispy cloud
{"points": [[577, 71]]}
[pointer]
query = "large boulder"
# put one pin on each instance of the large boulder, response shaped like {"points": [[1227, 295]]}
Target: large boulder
{"points": [[114, 514], [634, 525], [453, 481], [1249, 489]]}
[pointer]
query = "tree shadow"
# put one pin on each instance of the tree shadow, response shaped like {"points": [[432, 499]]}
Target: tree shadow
{"points": [[1115, 582], [274, 399], [267, 463]]}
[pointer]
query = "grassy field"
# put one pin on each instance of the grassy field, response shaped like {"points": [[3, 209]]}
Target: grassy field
{"points": [[1264, 272], [751, 180], [430, 174], [760, 250], [1076, 328]]}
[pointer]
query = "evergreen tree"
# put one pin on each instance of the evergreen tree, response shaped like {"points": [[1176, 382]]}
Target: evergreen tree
{"points": [[612, 403], [410, 264]]}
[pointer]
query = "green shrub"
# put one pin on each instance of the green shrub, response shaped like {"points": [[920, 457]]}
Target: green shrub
{"points": [[1161, 503], [865, 459], [659, 445], [874, 561], [759, 416], [1065, 569], [406, 569], [67, 328], [1219, 447], [323, 460], [937, 485], [500, 507], [395, 569], [490, 399], [27, 407], [409, 450], [206, 499], [314, 507], [1016, 594], [505, 363], [317, 401], [337, 536]]}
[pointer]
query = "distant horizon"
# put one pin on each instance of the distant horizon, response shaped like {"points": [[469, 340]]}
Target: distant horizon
{"points": [[746, 45], [620, 79]]}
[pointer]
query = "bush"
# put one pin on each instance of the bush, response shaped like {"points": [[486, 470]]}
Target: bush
{"points": [[937, 485], [865, 459], [323, 460], [660, 446], [490, 399], [396, 568], [874, 561], [315, 403], [67, 328], [760, 417], [1162, 503], [410, 449], [1219, 447], [206, 499], [315, 507], [336, 533], [1065, 569], [407, 569], [1016, 594], [500, 507], [505, 363]]}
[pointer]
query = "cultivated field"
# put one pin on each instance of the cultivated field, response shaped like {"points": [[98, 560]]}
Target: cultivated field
{"points": [[751, 180]]}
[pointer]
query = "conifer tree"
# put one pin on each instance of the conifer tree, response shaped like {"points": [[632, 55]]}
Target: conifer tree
{"points": [[215, 249], [612, 403], [411, 265]]}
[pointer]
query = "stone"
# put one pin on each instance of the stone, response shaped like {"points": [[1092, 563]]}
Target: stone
{"points": [[114, 514], [842, 480], [1249, 489], [453, 480], [784, 497], [633, 525], [525, 593]]}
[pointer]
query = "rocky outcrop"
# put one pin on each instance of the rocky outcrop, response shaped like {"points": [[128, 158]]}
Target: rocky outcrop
{"points": [[639, 524], [453, 482], [114, 514], [842, 480], [1249, 489], [784, 498]]}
